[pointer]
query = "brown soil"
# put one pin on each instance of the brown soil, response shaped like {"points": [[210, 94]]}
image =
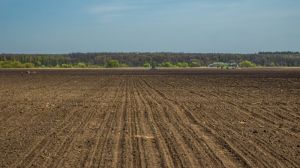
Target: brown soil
{"points": [[150, 118]]}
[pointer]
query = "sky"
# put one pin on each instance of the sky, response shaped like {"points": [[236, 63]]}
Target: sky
{"points": [[206, 26]]}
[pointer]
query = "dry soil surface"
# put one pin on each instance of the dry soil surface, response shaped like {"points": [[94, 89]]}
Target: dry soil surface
{"points": [[150, 118]]}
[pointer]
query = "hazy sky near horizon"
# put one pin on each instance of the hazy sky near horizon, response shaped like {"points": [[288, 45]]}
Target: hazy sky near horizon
{"points": [[64, 26]]}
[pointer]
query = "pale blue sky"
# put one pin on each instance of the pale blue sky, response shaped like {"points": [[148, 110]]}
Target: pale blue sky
{"points": [[63, 26]]}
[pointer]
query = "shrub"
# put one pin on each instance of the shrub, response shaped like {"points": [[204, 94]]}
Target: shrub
{"points": [[247, 64], [147, 65], [123, 65], [95, 66], [112, 64], [167, 64], [81, 65], [15, 64], [66, 66], [38, 63], [182, 64], [3, 64], [29, 65]]}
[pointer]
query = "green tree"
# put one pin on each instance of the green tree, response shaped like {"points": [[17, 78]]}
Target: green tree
{"points": [[15, 64], [167, 64], [66, 66], [28, 65], [182, 64], [247, 64], [81, 65], [38, 63], [112, 64], [123, 65], [147, 65]]}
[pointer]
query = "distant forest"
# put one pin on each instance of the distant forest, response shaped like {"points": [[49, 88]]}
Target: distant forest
{"points": [[136, 59]]}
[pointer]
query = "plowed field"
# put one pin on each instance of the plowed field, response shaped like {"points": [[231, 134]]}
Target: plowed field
{"points": [[144, 118]]}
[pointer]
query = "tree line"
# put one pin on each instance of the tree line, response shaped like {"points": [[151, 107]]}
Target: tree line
{"points": [[136, 59]]}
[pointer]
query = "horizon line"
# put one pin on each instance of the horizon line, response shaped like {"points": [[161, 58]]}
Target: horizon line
{"points": [[140, 52]]}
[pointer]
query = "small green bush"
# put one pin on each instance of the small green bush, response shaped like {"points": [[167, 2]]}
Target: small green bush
{"points": [[147, 65], [66, 66], [29, 65], [112, 64], [81, 65], [124, 65], [247, 64], [167, 64], [15, 64], [182, 64]]}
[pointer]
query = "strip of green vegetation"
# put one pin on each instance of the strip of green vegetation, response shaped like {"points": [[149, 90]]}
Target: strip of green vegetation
{"points": [[116, 64], [161, 59], [15, 64], [18, 64]]}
